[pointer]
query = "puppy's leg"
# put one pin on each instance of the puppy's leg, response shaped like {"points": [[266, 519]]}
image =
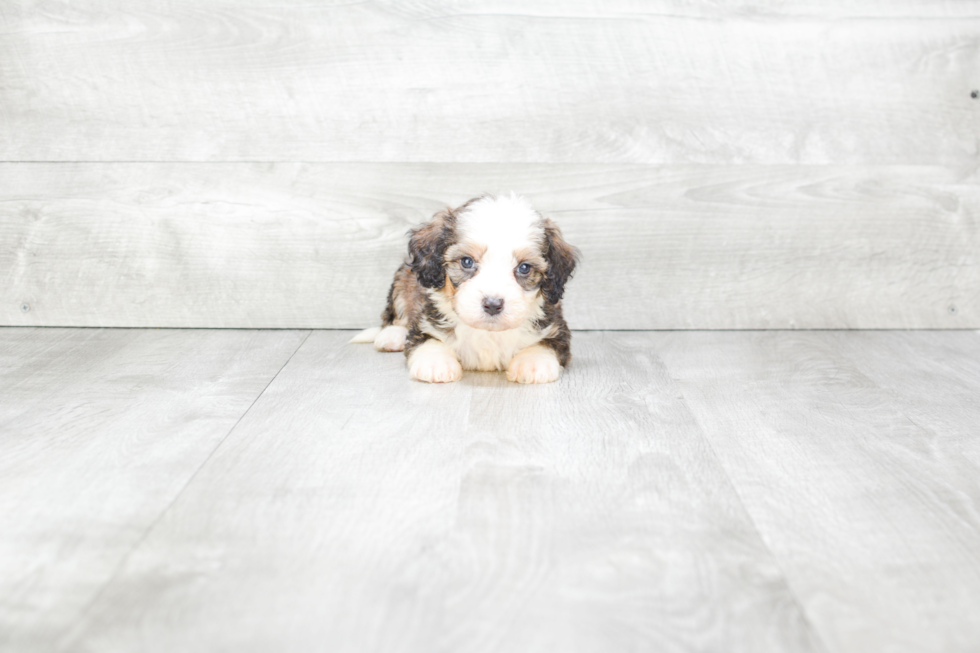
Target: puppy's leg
{"points": [[391, 338], [534, 364], [434, 362]]}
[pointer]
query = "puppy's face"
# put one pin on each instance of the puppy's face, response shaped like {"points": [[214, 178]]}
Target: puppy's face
{"points": [[497, 260], [496, 266]]}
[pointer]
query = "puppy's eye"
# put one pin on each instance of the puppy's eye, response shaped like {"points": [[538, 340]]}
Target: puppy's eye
{"points": [[524, 269], [466, 262]]}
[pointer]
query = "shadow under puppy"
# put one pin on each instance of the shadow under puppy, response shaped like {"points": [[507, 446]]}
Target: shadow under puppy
{"points": [[481, 289]]}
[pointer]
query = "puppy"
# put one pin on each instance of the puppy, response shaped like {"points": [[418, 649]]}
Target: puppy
{"points": [[481, 289]]}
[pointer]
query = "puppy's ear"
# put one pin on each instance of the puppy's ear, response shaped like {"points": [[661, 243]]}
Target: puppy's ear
{"points": [[427, 246], [561, 258]]}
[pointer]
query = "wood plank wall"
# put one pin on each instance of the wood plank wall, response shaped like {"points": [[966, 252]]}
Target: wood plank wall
{"points": [[230, 163]]}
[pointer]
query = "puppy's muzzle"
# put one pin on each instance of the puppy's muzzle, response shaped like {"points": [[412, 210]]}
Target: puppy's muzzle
{"points": [[492, 305]]}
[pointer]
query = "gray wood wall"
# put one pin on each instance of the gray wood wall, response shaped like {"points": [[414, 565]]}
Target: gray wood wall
{"points": [[230, 163]]}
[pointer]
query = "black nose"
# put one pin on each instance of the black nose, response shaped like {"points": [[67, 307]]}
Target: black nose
{"points": [[492, 305]]}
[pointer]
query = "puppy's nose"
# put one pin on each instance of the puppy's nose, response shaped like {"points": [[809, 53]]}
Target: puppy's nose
{"points": [[492, 305]]}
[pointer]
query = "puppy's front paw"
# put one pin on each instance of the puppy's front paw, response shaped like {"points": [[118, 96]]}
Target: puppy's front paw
{"points": [[434, 366], [536, 364], [391, 338]]}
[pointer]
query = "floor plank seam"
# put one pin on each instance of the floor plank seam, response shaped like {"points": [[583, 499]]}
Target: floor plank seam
{"points": [[815, 633], [818, 640], [149, 529]]}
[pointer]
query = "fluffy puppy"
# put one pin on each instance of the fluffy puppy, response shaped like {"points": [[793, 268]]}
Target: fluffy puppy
{"points": [[481, 289]]}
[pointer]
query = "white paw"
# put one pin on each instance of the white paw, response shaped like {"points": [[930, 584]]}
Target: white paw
{"points": [[391, 338], [434, 365], [536, 364]]}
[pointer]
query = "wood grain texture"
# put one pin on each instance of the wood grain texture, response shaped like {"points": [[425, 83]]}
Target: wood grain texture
{"points": [[942, 399], [99, 432], [856, 455], [293, 245], [356, 510], [491, 80]]}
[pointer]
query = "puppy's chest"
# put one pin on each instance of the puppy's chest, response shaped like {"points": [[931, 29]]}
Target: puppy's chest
{"points": [[489, 350]]}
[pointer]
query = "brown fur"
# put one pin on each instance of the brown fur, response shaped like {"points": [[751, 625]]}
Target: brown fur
{"points": [[562, 259], [561, 340], [406, 288]]}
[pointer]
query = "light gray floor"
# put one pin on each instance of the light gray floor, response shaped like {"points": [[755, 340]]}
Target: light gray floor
{"points": [[181, 490]]}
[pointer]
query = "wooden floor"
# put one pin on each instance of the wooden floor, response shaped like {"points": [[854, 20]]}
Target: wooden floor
{"points": [[182, 490]]}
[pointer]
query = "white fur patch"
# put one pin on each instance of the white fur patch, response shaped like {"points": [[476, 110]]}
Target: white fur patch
{"points": [[536, 364], [391, 338], [433, 362], [500, 222], [479, 349]]}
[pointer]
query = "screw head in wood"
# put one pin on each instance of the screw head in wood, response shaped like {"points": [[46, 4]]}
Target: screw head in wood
{"points": [[25, 308], [952, 309]]}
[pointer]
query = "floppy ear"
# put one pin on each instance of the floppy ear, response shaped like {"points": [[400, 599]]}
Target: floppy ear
{"points": [[427, 246], [561, 258]]}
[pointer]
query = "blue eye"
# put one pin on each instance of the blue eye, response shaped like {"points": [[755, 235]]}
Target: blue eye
{"points": [[524, 269], [466, 262]]}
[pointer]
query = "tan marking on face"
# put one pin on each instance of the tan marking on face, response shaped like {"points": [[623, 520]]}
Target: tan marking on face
{"points": [[454, 271], [538, 266], [530, 255], [466, 248]]}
